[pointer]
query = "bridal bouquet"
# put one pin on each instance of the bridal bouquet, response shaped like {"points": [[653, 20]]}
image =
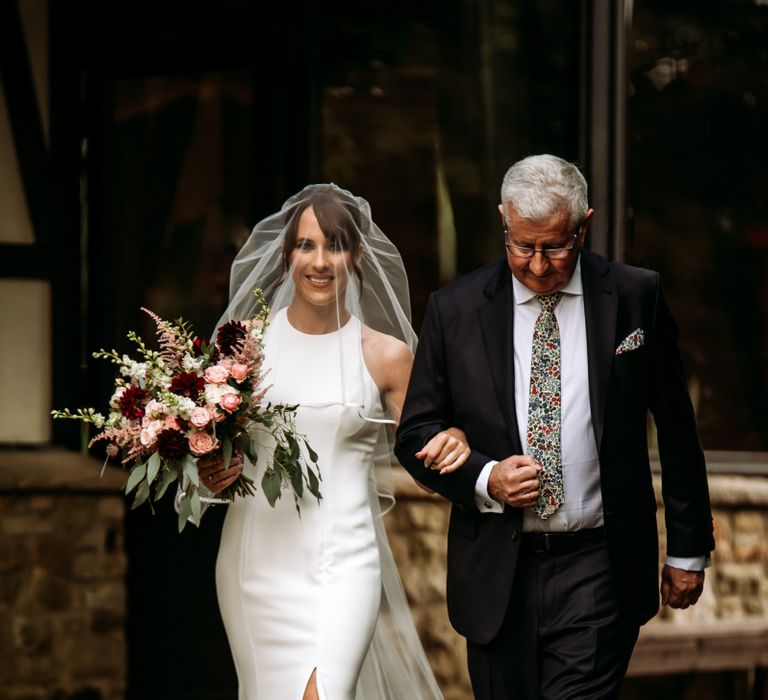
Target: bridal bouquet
{"points": [[193, 398]]}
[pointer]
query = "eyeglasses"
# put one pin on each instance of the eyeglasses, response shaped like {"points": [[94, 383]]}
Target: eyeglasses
{"points": [[524, 251]]}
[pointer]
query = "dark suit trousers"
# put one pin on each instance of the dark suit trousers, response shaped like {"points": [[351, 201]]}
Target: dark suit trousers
{"points": [[562, 637]]}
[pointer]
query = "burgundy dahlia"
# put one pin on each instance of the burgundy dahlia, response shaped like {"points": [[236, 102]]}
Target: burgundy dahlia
{"points": [[172, 444], [132, 402], [187, 384], [230, 337]]}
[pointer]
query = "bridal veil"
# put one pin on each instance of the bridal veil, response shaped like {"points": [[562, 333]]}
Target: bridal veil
{"points": [[376, 292]]}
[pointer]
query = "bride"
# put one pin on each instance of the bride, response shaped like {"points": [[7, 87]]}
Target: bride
{"points": [[312, 604]]}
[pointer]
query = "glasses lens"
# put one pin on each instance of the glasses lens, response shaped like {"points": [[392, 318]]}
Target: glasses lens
{"points": [[557, 253], [520, 251]]}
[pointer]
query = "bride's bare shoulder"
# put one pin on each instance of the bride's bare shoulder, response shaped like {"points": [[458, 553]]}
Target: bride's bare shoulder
{"points": [[386, 347], [385, 356]]}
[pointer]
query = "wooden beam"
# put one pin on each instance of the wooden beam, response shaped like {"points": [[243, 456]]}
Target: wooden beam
{"points": [[24, 116]]}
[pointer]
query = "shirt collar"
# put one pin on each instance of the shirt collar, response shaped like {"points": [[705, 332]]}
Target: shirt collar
{"points": [[574, 287]]}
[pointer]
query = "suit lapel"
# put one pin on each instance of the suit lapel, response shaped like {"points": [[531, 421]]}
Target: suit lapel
{"points": [[601, 301], [496, 323]]}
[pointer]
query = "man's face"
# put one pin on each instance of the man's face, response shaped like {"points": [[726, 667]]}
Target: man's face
{"points": [[540, 274]]}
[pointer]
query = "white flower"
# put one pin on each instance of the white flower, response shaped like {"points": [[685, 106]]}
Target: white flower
{"points": [[192, 364], [115, 400], [161, 380], [98, 420], [137, 371], [184, 407], [114, 419], [214, 392]]}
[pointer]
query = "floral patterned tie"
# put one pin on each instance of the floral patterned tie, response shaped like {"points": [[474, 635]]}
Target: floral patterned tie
{"points": [[543, 436]]}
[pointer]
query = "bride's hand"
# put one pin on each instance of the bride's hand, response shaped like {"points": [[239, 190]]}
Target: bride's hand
{"points": [[446, 451], [213, 475]]}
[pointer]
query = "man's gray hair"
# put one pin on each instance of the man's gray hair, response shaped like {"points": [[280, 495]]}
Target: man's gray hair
{"points": [[538, 187]]}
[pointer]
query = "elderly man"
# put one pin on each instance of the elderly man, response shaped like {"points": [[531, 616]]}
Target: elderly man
{"points": [[550, 360]]}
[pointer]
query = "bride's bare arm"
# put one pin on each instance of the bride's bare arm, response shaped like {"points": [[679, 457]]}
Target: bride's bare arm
{"points": [[389, 361]]}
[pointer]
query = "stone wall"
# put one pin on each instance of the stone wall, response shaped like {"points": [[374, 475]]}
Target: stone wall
{"points": [[727, 631], [62, 594], [62, 571]]}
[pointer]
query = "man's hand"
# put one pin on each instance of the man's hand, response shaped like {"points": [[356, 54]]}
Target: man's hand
{"points": [[213, 475], [680, 588], [446, 451], [515, 481]]}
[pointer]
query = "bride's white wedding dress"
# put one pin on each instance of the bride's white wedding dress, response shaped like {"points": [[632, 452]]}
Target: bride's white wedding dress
{"points": [[299, 593]]}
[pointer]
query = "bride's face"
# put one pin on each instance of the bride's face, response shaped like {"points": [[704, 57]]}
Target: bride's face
{"points": [[319, 264]]}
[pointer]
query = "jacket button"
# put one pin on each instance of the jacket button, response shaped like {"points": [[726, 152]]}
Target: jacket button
{"points": [[513, 535]]}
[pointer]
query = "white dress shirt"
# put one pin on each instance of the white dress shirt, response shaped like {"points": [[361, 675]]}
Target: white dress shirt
{"points": [[582, 506]]}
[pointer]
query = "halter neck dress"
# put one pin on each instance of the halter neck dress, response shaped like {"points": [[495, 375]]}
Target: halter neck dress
{"points": [[299, 593]]}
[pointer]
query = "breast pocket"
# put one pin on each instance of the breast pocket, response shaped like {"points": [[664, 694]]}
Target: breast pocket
{"points": [[632, 357]]}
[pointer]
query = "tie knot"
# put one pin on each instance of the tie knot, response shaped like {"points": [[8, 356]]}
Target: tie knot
{"points": [[550, 301]]}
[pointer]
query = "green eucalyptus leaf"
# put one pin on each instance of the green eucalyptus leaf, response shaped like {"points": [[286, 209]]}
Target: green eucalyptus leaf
{"points": [[313, 484], [294, 446], [312, 454], [153, 467], [195, 507], [136, 475], [185, 510], [167, 477], [250, 451], [142, 494], [270, 484], [296, 477], [190, 469]]}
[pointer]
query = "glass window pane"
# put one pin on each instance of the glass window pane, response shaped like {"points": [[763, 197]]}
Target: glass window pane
{"points": [[422, 116], [697, 149]]}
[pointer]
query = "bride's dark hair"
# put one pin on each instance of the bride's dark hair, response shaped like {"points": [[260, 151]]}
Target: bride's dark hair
{"points": [[338, 216]]}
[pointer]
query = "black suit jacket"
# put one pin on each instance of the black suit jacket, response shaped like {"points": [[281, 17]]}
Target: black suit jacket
{"points": [[463, 376]]}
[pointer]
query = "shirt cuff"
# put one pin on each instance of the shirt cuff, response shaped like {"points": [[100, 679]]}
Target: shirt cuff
{"points": [[483, 501], [689, 563]]}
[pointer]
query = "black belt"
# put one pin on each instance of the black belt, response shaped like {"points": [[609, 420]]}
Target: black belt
{"points": [[540, 542]]}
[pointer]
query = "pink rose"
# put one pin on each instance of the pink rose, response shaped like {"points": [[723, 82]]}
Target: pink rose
{"points": [[201, 443], [239, 372], [218, 416], [230, 402], [149, 432], [200, 417], [216, 375], [226, 363]]}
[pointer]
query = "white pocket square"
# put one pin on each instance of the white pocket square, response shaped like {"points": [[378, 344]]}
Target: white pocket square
{"points": [[633, 341]]}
